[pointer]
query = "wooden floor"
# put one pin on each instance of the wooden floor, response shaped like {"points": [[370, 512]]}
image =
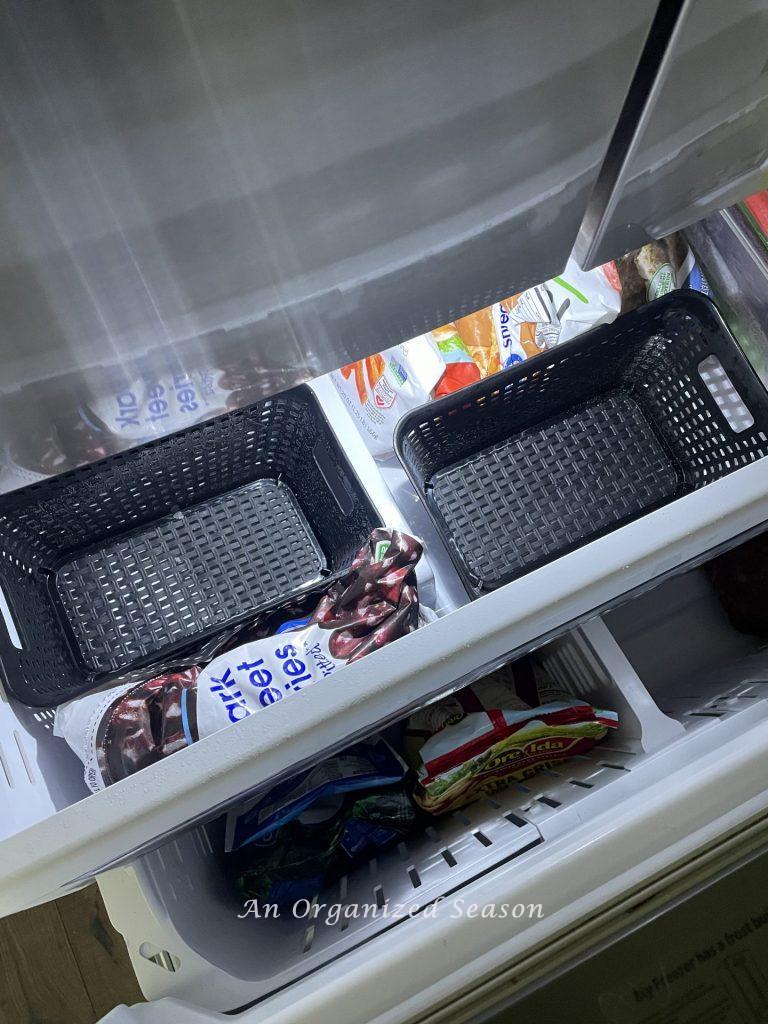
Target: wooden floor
{"points": [[63, 963]]}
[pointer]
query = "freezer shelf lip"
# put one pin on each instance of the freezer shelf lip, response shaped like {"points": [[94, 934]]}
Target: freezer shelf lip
{"points": [[109, 826]]}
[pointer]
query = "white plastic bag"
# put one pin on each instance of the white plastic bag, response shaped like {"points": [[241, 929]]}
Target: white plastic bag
{"points": [[378, 390], [554, 312]]}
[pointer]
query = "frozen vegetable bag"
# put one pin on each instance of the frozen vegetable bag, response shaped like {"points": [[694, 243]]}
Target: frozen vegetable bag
{"points": [[120, 730], [314, 828], [378, 390], [506, 726]]}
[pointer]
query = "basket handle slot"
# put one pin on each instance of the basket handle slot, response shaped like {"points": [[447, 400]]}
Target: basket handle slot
{"points": [[335, 480], [10, 625], [723, 390]]}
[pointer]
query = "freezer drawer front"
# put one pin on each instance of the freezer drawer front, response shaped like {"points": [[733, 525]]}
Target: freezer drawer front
{"points": [[317, 181], [699, 143]]}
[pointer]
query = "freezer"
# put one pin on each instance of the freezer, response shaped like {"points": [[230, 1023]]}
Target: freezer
{"points": [[690, 694], [212, 207], [572, 855], [58, 836], [196, 219]]}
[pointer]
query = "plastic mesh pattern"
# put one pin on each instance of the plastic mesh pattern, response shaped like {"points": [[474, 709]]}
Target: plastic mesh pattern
{"points": [[178, 578], [531, 462], [506, 506], [116, 566]]}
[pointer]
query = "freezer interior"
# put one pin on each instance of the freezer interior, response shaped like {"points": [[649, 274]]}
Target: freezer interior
{"points": [[39, 775], [683, 681]]}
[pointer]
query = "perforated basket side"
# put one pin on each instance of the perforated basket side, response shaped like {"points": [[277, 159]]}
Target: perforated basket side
{"points": [[668, 379]]}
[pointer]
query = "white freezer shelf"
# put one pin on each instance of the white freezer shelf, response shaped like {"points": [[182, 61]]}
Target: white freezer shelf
{"points": [[62, 849], [176, 908]]}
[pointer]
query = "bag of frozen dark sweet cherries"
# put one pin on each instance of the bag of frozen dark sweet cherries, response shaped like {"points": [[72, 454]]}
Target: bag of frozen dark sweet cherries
{"points": [[118, 731]]}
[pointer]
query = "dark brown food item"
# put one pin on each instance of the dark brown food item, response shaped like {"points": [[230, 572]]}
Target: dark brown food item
{"points": [[740, 580], [376, 602], [143, 726]]}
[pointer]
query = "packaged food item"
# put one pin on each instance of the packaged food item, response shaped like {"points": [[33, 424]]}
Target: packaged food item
{"points": [[121, 730], [55, 426], [320, 845], [460, 368], [373, 603], [158, 400], [554, 312], [151, 406], [479, 336], [506, 726], [755, 210], [378, 390], [740, 580], [658, 268], [370, 764]]}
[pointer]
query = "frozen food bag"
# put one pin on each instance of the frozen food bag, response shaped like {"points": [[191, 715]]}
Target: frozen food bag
{"points": [[320, 845], [378, 390], [506, 726], [460, 368], [658, 268], [121, 730], [59, 425], [368, 765], [153, 400], [555, 312], [478, 333], [150, 406], [373, 603]]}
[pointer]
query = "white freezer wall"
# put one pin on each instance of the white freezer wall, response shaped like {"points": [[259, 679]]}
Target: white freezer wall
{"points": [[333, 177]]}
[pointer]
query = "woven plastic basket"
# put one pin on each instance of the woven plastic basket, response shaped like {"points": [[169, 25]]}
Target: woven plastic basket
{"points": [[119, 566], [530, 463]]}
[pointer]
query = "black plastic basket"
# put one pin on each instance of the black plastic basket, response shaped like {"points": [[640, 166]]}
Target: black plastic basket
{"points": [[535, 461], [123, 564]]}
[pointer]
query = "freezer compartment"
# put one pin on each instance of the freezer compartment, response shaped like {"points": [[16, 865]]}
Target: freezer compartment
{"points": [[194, 935], [52, 838]]}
